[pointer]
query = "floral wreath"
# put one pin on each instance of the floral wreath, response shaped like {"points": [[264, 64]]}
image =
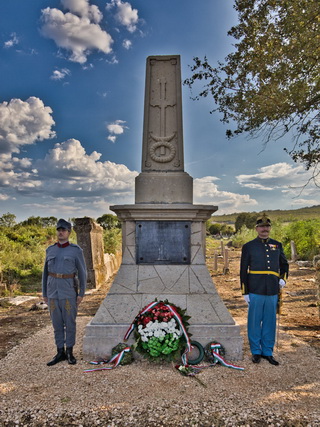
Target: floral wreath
{"points": [[161, 331]]}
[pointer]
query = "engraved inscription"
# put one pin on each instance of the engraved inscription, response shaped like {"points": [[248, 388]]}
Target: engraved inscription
{"points": [[163, 242]]}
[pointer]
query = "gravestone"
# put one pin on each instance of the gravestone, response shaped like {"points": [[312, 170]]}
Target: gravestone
{"points": [[90, 239], [163, 233]]}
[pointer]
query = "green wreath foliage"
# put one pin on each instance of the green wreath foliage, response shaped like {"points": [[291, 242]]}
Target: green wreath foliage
{"points": [[160, 348], [127, 357]]}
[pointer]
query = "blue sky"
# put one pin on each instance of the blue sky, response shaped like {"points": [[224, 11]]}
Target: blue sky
{"points": [[71, 109]]}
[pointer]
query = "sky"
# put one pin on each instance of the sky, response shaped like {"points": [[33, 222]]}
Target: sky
{"points": [[71, 109]]}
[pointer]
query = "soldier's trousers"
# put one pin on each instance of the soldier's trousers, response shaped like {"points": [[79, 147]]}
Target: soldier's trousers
{"points": [[63, 313], [262, 318]]}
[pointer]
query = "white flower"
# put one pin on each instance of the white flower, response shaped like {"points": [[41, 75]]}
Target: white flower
{"points": [[159, 329]]}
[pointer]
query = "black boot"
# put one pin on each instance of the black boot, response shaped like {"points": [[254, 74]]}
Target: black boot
{"points": [[59, 357], [70, 357]]}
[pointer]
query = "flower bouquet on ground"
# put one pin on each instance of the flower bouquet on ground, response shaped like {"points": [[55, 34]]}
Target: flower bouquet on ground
{"points": [[161, 331]]}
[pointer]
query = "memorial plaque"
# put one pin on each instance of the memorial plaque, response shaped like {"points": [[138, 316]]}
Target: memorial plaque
{"points": [[163, 242]]}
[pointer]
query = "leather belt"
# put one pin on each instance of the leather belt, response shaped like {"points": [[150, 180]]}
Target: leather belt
{"points": [[265, 272], [62, 276]]}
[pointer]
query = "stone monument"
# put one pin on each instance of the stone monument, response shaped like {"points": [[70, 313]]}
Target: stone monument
{"points": [[90, 239], [163, 233]]}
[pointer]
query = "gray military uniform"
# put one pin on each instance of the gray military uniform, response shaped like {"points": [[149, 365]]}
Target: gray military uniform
{"points": [[63, 260]]}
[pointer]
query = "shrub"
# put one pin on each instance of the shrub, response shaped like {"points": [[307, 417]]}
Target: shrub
{"points": [[306, 236], [112, 240], [243, 236]]}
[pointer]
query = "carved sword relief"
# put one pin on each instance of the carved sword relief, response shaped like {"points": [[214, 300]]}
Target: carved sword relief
{"points": [[161, 144]]}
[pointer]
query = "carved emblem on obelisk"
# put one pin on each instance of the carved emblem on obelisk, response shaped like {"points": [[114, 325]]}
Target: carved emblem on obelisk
{"points": [[163, 142], [161, 149]]}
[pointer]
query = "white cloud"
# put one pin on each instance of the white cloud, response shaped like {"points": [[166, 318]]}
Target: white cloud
{"points": [[116, 128], [112, 138], [66, 180], [113, 60], [15, 174], [77, 31], [24, 122], [84, 9], [68, 169], [207, 192], [12, 42], [60, 74], [125, 15], [127, 44], [278, 175], [304, 202]]}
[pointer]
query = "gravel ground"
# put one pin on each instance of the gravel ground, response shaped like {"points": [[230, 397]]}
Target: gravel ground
{"points": [[144, 394]]}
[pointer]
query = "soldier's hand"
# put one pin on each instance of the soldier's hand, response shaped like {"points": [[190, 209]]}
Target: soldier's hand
{"points": [[45, 300], [282, 283], [79, 299], [246, 298]]}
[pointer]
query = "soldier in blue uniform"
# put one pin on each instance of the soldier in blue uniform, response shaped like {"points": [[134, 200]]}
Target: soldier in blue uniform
{"points": [[64, 269], [263, 272]]}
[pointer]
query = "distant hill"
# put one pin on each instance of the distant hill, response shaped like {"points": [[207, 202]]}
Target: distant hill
{"points": [[312, 212]]}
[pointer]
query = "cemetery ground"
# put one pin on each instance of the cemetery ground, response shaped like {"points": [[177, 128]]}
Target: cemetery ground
{"points": [[145, 394]]}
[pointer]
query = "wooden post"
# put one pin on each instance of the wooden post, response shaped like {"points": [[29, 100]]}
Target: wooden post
{"points": [[294, 255], [222, 248], [226, 261], [215, 261], [317, 265]]}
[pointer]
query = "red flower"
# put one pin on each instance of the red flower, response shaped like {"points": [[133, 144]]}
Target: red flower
{"points": [[147, 320]]}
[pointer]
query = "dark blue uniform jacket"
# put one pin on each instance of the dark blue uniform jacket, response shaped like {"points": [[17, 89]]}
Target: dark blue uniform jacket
{"points": [[263, 263]]}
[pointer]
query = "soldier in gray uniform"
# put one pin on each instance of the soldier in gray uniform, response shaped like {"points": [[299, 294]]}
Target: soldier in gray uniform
{"points": [[64, 269]]}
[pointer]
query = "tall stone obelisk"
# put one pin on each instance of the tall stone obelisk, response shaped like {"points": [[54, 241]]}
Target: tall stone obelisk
{"points": [[163, 233]]}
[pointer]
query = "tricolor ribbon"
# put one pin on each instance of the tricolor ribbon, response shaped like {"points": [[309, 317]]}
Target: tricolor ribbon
{"points": [[217, 358], [133, 324], [114, 361]]}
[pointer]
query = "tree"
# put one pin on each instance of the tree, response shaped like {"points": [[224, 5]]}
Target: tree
{"points": [[109, 221], [215, 229], [247, 219], [7, 220], [39, 221], [270, 86]]}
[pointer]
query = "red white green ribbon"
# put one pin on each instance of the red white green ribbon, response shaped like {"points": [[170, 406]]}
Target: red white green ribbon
{"points": [[114, 361], [133, 324], [217, 358]]}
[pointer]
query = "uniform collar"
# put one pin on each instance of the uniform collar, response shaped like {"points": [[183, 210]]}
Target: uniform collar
{"points": [[263, 240], [64, 245]]}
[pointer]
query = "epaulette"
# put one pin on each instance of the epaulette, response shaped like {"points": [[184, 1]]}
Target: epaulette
{"points": [[51, 246], [74, 245]]}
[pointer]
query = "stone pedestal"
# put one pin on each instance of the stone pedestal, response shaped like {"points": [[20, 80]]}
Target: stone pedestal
{"points": [[187, 286], [163, 233], [90, 239], [164, 187]]}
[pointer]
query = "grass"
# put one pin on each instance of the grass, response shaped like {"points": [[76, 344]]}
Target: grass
{"points": [[287, 216]]}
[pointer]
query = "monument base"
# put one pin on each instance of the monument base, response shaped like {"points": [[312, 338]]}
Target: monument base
{"points": [[188, 286], [100, 339]]}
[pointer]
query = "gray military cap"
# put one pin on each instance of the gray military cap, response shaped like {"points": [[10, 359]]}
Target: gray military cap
{"points": [[62, 223]]}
